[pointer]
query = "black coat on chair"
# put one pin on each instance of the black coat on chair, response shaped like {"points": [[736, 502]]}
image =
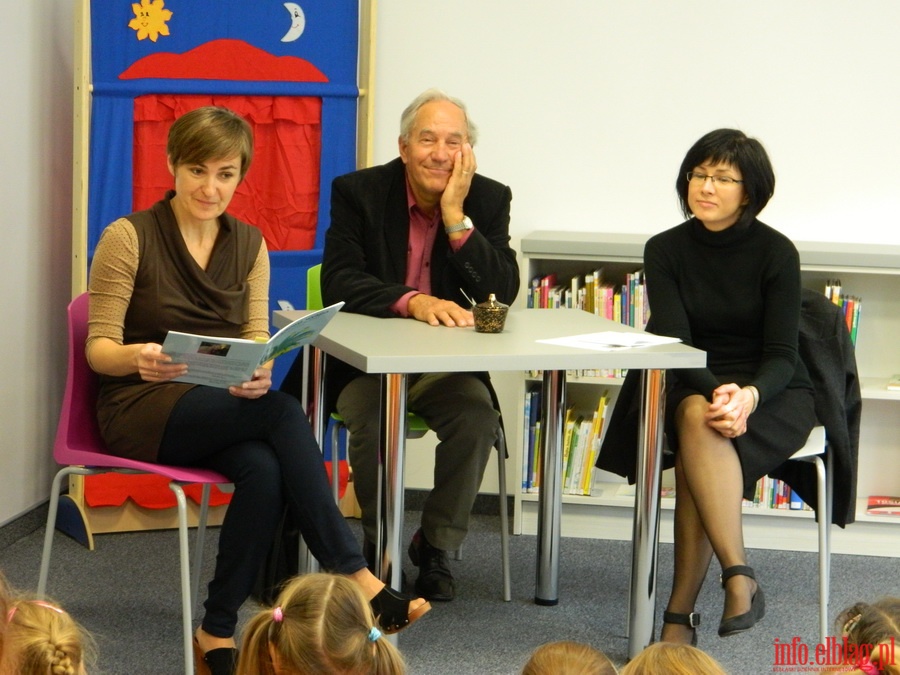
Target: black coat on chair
{"points": [[830, 358]]}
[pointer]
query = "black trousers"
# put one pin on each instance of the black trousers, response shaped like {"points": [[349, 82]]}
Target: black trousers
{"points": [[266, 448]]}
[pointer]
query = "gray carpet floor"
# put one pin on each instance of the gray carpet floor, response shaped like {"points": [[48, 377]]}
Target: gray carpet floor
{"points": [[126, 593]]}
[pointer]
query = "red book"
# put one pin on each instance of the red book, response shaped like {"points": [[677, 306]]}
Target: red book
{"points": [[547, 283], [883, 506]]}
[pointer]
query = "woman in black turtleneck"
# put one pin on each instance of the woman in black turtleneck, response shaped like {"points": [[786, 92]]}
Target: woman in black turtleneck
{"points": [[730, 285]]}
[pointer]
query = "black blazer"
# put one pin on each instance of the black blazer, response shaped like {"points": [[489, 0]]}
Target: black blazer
{"points": [[366, 246]]}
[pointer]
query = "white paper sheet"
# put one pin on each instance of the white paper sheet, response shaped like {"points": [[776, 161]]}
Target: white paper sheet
{"points": [[611, 340]]}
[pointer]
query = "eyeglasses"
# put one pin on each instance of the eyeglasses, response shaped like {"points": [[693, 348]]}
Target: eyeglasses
{"points": [[721, 180]]}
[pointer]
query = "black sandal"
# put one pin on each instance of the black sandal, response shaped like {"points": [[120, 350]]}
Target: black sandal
{"points": [[691, 620], [746, 621], [392, 610]]}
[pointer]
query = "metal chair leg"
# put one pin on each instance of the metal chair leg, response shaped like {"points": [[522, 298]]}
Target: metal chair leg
{"points": [[52, 512], [199, 543], [185, 569]]}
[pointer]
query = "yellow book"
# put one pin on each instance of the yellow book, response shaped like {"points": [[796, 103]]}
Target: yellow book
{"points": [[587, 471]]}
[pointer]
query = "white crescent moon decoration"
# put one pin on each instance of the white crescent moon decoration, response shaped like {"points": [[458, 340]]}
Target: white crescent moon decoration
{"points": [[298, 22]]}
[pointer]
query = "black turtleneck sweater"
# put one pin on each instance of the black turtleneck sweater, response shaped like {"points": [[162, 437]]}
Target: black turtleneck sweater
{"points": [[734, 294]]}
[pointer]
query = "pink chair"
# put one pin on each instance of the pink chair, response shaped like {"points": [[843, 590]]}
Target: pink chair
{"points": [[81, 451]]}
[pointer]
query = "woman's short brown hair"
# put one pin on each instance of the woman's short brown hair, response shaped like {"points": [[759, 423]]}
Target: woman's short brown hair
{"points": [[209, 133]]}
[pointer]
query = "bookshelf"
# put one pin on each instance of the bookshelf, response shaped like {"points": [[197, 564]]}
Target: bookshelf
{"points": [[870, 272]]}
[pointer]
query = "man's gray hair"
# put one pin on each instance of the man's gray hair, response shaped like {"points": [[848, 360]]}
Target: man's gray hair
{"points": [[409, 115]]}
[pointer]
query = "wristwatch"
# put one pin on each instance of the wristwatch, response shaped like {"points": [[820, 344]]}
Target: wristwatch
{"points": [[466, 224]]}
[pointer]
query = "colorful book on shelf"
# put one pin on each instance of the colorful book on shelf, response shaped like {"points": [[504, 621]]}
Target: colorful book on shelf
{"points": [[849, 304], [547, 282], [599, 426], [533, 300], [536, 460], [530, 450], [570, 438], [527, 449], [880, 505]]}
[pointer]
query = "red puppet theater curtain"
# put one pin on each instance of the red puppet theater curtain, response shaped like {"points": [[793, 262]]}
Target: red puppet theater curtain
{"points": [[280, 194]]}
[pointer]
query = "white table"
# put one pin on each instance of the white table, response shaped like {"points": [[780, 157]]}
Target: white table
{"points": [[398, 347]]}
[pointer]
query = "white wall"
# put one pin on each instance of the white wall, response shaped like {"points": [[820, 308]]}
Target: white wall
{"points": [[35, 221], [586, 108]]}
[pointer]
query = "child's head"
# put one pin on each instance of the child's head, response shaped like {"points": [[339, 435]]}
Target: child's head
{"points": [[666, 658], [42, 639], [5, 600], [321, 623], [568, 658], [875, 629]]}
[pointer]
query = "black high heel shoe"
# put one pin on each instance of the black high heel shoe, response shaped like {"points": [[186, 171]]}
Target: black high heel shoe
{"points": [[691, 620], [746, 621], [393, 610]]}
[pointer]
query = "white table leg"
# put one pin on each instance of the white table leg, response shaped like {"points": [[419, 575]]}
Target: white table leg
{"points": [[553, 406], [645, 538], [390, 522]]}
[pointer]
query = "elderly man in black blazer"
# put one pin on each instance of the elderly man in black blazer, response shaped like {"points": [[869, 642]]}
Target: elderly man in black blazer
{"points": [[410, 240]]}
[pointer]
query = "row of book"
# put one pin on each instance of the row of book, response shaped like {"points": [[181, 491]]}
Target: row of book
{"points": [[624, 303], [582, 435], [849, 304], [772, 493], [627, 302]]}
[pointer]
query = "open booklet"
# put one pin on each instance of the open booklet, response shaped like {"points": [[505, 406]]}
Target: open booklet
{"points": [[225, 362]]}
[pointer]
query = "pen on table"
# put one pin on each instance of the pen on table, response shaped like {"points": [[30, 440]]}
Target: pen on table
{"points": [[466, 296]]}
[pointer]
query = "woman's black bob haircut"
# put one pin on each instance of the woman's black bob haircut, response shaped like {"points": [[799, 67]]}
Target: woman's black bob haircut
{"points": [[746, 154]]}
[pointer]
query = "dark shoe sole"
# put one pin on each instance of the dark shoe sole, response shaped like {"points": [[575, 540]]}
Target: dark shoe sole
{"points": [[746, 621]]}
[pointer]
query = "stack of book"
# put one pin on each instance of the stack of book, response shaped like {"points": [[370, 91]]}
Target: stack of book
{"points": [[582, 436], [850, 304], [772, 493], [625, 303]]}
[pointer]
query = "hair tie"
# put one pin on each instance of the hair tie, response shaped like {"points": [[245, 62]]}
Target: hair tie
{"points": [[277, 614], [40, 603], [851, 624], [374, 634], [868, 667], [47, 605]]}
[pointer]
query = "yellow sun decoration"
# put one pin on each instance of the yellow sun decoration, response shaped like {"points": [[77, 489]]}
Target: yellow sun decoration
{"points": [[150, 19]]}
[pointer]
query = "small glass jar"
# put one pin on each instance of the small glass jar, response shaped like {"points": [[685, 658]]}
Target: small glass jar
{"points": [[490, 316]]}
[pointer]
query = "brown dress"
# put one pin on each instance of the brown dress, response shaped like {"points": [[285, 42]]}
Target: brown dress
{"points": [[144, 282]]}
